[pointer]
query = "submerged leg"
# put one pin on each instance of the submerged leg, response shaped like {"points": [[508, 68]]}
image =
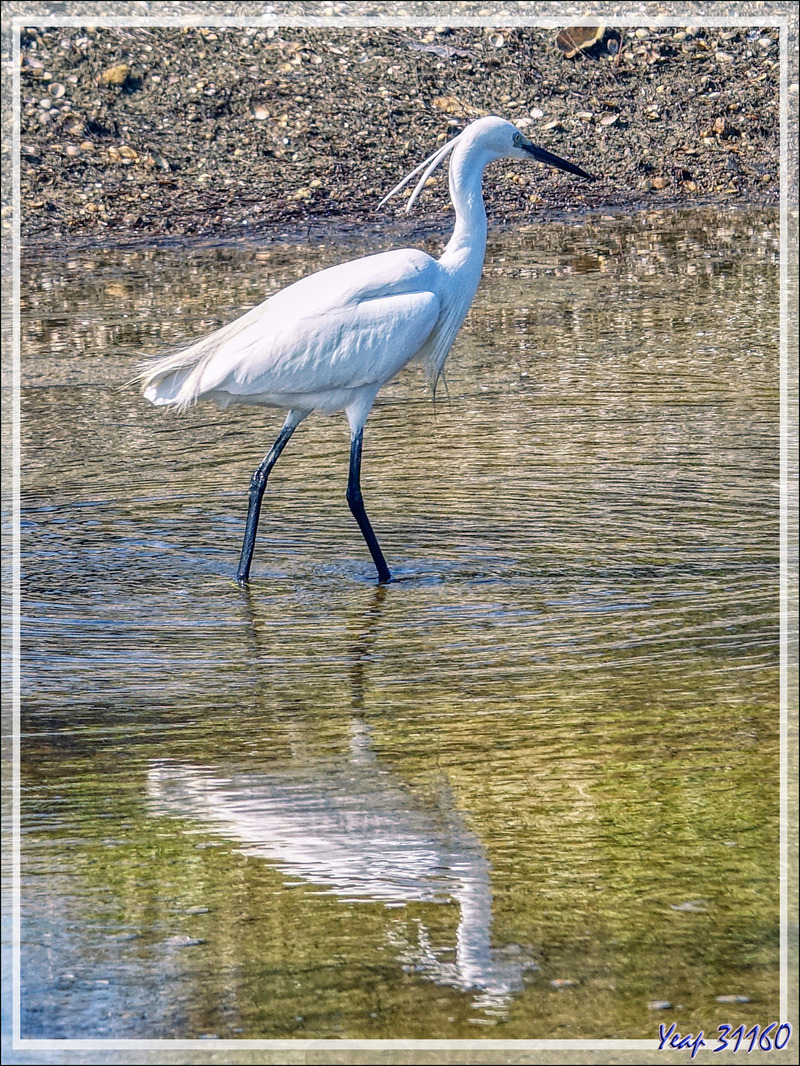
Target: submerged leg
{"points": [[356, 504], [257, 485]]}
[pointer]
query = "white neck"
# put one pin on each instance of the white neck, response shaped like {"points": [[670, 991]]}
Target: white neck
{"points": [[468, 243], [462, 260]]}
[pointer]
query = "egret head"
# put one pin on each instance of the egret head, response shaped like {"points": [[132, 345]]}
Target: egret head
{"points": [[502, 140], [489, 138]]}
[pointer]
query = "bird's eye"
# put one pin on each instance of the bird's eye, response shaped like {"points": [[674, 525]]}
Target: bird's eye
{"points": [[517, 138]]}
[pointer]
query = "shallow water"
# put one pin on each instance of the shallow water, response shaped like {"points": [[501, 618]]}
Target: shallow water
{"points": [[522, 792]]}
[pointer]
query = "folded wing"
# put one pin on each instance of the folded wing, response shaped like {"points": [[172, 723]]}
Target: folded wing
{"points": [[343, 328]]}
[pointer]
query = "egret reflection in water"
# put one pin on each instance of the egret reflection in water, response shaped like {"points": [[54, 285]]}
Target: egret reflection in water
{"points": [[350, 827]]}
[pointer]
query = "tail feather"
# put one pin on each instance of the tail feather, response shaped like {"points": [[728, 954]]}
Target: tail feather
{"points": [[167, 380], [179, 379]]}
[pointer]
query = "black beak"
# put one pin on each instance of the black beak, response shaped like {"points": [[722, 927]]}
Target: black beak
{"points": [[541, 156]]}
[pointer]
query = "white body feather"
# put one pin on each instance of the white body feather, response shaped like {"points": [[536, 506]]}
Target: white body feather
{"points": [[320, 342], [330, 341]]}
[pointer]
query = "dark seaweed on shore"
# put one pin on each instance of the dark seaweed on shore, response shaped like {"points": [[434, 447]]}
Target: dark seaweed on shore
{"points": [[165, 132]]}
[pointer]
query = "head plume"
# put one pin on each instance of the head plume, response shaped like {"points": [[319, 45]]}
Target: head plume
{"points": [[427, 167]]}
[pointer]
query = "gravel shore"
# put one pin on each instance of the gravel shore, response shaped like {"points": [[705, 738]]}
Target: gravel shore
{"points": [[152, 133]]}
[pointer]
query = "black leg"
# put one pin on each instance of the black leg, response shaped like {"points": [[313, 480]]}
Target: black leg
{"points": [[258, 484], [356, 503]]}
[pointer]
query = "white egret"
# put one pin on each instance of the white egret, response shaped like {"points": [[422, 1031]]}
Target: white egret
{"points": [[330, 341]]}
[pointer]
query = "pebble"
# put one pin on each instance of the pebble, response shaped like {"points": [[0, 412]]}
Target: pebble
{"points": [[116, 75], [447, 103], [183, 941], [659, 1004], [732, 999], [576, 39]]}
